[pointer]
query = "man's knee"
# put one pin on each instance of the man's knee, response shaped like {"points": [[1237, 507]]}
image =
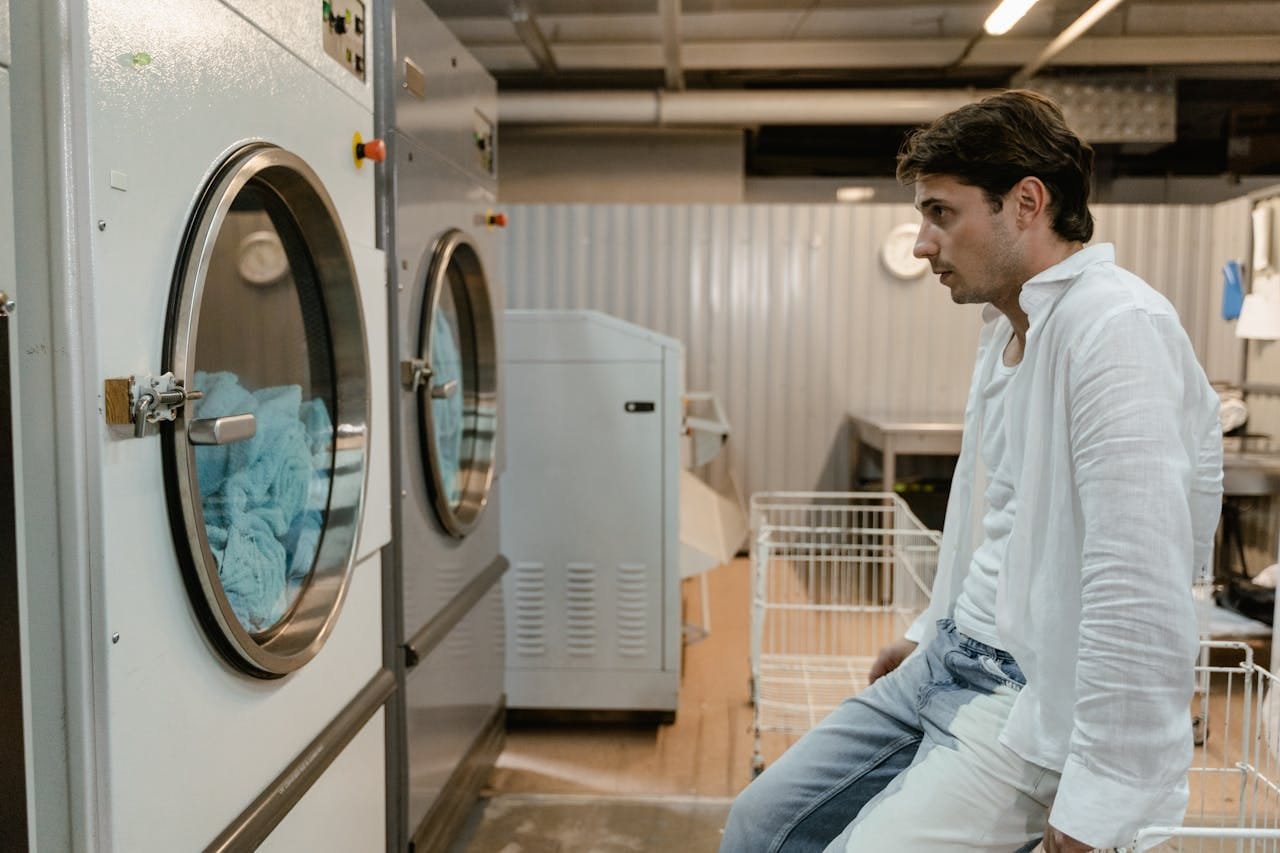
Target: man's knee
{"points": [[754, 820]]}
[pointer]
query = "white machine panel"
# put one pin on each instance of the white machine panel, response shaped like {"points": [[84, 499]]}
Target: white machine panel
{"points": [[593, 596], [346, 810], [445, 99], [301, 28], [450, 696], [375, 525], [4, 35]]}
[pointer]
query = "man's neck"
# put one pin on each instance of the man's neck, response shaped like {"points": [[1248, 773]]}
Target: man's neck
{"points": [[1053, 253]]}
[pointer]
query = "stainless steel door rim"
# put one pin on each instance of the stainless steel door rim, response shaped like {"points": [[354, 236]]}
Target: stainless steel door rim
{"points": [[328, 293]]}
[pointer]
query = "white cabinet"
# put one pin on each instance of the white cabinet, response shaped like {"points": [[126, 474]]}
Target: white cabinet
{"points": [[593, 593]]}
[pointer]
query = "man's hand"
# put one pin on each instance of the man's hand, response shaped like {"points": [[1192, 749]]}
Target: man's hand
{"points": [[1056, 841], [889, 658]]}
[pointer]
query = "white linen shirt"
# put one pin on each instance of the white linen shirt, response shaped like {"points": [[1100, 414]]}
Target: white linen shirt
{"points": [[1118, 448]]}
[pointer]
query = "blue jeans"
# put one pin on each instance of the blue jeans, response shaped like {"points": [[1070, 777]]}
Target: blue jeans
{"points": [[912, 763]]}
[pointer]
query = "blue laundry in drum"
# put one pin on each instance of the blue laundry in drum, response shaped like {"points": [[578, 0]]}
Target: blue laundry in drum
{"points": [[447, 412], [263, 509], [251, 571], [302, 542]]}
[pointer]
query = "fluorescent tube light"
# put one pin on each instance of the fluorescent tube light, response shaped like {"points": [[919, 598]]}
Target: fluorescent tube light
{"points": [[852, 194], [1006, 15]]}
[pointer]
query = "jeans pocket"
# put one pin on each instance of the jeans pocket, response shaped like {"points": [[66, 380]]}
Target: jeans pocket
{"points": [[993, 668]]}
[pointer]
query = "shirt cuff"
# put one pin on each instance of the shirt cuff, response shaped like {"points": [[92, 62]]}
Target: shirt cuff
{"points": [[1104, 812]]}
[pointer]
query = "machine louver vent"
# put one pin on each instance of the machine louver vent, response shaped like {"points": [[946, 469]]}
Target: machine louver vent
{"points": [[633, 625], [531, 609], [580, 609]]}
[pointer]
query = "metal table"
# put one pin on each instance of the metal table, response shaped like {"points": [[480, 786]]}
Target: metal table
{"points": [[897, 435], [1250, 474]]}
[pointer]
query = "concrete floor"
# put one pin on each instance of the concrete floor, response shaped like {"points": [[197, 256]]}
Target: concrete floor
{"points": [[562, 823]]}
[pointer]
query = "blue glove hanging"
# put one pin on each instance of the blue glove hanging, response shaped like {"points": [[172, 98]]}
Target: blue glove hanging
{"points": [[1232, 290]]}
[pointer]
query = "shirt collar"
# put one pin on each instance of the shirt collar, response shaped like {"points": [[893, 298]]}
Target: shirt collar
{"points": [[1043, 288]]}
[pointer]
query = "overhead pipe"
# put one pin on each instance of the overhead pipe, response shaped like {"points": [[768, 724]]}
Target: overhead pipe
{"points": [[530, 33], [734, 108]]}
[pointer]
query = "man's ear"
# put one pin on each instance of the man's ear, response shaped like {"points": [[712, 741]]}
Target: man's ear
{"points": [[1030, 198]]}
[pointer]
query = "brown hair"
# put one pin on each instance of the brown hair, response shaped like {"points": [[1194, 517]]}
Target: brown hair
{"points": [[998, 141]]}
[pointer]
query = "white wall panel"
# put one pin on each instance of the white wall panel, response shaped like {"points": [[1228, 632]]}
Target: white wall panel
{"points": [[788, 316], [1230, 241]]}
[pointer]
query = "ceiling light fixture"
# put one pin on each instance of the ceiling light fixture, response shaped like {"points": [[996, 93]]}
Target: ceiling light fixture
{"points": [[1006, 15], [852, 194]]}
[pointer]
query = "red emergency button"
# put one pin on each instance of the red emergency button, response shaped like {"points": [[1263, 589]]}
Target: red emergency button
{"points": [[374, 149]]}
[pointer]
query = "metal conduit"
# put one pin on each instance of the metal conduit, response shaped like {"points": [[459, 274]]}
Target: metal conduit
{"points": [[741, 109]]}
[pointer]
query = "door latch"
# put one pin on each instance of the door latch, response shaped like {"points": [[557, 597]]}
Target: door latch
{"points": [[414, 373], [144, 401]]}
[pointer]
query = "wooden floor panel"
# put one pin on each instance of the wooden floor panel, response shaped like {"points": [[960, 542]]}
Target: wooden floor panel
{"points": [[705, 752]]}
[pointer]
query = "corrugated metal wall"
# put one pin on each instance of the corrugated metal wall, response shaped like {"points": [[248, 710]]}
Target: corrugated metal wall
{"points": [[788, 316]]}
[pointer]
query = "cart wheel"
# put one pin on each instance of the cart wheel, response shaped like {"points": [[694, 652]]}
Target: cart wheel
{"points": [[1199, 729], [757, 765]]}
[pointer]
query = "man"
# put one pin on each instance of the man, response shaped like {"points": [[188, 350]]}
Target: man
{"points": [[1045, 692]]}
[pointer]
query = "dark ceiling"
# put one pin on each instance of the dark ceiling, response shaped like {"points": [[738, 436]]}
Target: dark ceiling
{"points": [[1223, 57]]}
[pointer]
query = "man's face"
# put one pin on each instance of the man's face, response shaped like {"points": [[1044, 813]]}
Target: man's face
{"points": [[972, 249]]}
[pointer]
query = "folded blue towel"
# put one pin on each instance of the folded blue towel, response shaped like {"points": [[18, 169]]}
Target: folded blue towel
{"points": [[302, 541], [264, 498], [251, 573]]}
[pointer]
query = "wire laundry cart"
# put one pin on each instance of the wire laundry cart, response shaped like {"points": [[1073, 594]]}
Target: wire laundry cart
{"points": [[1235, 770], [835, 576]]}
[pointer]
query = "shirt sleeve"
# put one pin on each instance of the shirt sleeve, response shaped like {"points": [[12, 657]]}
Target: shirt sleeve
{"points": [[1136, 400]]}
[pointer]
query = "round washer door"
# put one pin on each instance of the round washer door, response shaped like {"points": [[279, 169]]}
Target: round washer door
{"points": [[457, 387], [265, 471]]}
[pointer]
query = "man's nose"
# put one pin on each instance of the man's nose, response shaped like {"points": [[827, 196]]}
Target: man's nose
{"points": [[925, 246]]}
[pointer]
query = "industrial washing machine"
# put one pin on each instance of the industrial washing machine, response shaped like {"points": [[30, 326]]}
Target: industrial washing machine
{"points": [[438, 111], [223, 310]]}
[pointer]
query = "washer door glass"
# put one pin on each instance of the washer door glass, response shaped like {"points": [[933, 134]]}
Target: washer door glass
{"points": [[268, 464], [457, 390]]}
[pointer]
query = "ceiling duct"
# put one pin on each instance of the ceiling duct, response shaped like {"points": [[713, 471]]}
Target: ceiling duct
{"points": [[1113, 108], [734, 108]]}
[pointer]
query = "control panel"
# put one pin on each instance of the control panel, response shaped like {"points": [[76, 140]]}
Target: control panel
{"points": [[344, 29]]}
